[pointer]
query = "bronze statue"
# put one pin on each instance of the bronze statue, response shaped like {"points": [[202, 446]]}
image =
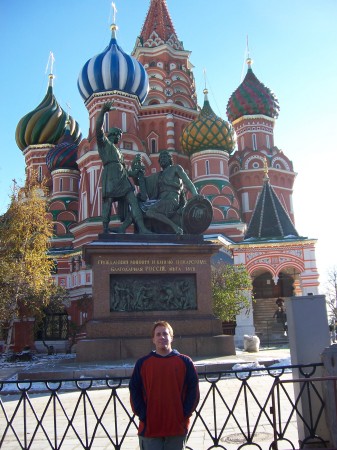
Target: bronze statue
{"points": [[116, 185], [167, 201]]}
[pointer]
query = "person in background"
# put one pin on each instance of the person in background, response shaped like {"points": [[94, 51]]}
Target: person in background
{"points": [[280, 302], [164, 392], [281, 317]]}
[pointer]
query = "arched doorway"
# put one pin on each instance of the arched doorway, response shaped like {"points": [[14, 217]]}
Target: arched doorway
{"points": [[265, 287], [285, 285], [266, 292]]}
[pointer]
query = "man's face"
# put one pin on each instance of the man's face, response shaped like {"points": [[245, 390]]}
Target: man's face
{"points": [[114, 137], [162, 340], [164, 160]]}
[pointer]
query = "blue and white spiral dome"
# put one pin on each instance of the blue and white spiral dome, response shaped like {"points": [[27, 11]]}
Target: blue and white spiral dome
{"points": [[113, 70]]}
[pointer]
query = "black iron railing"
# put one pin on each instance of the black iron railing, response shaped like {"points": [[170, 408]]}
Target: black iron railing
{"points": [[308, 398], [253, 406]]}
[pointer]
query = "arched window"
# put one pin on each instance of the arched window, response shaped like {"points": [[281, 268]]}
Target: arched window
{"points": [[106, 121], [254, 141], [84, 206], [124, 122], [153, 146], [40, 174], [92, 182], [245, 202], [207, 167], [61, 184], [267, 141], [99, 202]]}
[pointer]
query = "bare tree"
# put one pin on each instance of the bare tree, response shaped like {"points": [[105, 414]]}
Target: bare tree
{"points": [[331, 293]]}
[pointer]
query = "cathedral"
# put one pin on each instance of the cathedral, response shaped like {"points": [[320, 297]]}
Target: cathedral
{"points": [[233, 162]]}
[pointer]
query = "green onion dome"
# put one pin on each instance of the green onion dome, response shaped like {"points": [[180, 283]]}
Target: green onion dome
{"points": [[208, 132], [46, 123], [252, 97]]}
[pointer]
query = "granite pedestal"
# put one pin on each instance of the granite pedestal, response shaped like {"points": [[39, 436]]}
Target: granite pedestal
{"points": [[138, 280]]}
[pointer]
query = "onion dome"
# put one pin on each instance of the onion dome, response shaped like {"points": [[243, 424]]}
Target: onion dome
{"points": [[113, 70], [46, 123], [208, 131], [64, 154], [252, 97]]}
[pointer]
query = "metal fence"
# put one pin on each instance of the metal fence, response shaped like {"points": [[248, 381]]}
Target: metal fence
{"points": [[257, 407]]}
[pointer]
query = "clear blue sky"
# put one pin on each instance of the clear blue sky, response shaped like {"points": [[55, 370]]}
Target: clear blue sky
{"points": [[292, 42]]}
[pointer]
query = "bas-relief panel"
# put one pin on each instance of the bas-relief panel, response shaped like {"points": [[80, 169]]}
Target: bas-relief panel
{"points": [[152, 292]]}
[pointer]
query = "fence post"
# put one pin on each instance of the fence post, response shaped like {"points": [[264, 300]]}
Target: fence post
{"points": [[329, 359], [244, 323], [308, 333]]}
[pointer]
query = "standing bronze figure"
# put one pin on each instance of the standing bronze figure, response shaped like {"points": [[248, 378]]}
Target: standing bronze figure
{"points": [[116, 185]]}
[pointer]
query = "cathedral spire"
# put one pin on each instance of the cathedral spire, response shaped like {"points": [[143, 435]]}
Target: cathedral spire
{"points": [[158, 28], [270, 220]]}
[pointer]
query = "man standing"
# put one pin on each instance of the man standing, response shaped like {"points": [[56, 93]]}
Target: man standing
{"points": [[164, 390], [116, 185]]}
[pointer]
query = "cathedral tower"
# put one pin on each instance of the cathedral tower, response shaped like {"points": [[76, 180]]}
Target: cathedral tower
{"points": [[172, 102], [252, 110]]}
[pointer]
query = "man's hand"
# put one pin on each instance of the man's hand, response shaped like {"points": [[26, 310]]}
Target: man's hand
{"points": [[108, 106]]}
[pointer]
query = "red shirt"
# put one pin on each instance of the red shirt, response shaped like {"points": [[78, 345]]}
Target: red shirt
{"points": [[164, 393]]}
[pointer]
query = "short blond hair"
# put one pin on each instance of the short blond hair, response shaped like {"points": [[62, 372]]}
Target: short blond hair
{"points": [[162, 323]]}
